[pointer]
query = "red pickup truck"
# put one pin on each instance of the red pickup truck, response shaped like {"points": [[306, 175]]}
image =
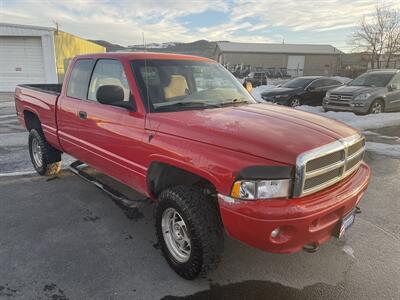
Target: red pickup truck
{"points": [[183, 131]]}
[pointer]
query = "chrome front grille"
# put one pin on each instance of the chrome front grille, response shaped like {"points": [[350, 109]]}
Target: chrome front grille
{"points": [[322, 167], [340, 98]]}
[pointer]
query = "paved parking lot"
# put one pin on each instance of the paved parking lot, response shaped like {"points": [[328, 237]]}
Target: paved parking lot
{"points": [[62, 238]]}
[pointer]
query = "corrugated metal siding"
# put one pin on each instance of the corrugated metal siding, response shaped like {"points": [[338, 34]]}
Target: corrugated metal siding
{"points": [[67, 46], [21, 61]]}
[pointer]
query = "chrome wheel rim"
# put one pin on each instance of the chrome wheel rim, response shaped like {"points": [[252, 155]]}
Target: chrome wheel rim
{"points": [[295, 102], [37, 152], [376, 108], [176, 235]]}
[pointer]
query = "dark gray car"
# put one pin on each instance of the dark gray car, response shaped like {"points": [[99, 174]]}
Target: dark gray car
{"points": [[372, 92]]}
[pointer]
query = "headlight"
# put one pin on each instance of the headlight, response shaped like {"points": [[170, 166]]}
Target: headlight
{"points": [[261, 189], [362, 97], [282, 96]]}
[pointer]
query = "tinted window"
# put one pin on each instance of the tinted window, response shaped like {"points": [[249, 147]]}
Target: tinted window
{"points": [[79, 80], [108, 72], [297, 83], [330, 82], [318, 83]]}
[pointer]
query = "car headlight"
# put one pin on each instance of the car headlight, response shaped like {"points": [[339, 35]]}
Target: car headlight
{"points": [[282, 96], [261, 189], [362, 97]]}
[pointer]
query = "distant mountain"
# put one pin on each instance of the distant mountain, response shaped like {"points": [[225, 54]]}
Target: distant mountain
{"points": [[200, 48], [110, 47]]}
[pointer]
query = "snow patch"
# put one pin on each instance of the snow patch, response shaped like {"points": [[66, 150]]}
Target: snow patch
{"points": [[360, 122], [384, 149]]}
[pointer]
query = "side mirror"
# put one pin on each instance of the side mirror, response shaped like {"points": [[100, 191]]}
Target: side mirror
{"points": [[112, 95], [393, 87]]}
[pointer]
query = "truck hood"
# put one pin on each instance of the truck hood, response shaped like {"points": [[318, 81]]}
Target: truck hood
{"points": [[355, 90], [268, 131]]}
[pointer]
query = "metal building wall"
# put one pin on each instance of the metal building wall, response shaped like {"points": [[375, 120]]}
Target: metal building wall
{"points": [[67, 46]]}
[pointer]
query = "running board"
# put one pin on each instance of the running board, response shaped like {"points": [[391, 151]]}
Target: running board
{"points": [[76, 168]]}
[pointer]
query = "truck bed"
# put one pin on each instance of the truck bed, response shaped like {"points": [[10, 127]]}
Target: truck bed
{"points": [[39, 100], [51, 88]]}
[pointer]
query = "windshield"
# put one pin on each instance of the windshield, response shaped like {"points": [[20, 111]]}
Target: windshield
{"points": [[298, 83], [171, 85], [372, 79]]}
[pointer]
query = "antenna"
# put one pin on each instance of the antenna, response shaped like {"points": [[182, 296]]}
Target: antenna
{"points": [[57, 25]]}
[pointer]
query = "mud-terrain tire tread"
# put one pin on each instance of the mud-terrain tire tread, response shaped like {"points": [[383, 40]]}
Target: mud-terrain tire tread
{"points": [[51, 157], [204, 226]]}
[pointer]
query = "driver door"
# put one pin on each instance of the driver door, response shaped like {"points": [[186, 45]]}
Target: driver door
{"points": [[112, 136]]}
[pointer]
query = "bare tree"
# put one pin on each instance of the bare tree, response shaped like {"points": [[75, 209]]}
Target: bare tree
{"points": [[379, 35]]}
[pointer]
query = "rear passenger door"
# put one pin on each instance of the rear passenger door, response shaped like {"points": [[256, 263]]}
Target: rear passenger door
{"points": [[314, 93], [68, 122], [111, 135]]}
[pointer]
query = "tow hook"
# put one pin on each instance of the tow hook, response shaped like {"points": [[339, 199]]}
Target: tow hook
{"points": [[311, 248], [358, 210]]}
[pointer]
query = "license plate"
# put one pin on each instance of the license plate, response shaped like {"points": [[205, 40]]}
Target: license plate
{"points": [[344, 224]]}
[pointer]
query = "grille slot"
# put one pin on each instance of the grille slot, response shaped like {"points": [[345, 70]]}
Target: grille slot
{"points": [[355, 147], [339, 97], [354, 161], [321, 179], [322, 167], [325, 161]]}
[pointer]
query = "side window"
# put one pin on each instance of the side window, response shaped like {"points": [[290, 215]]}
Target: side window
{"points": [[108, 72], [317, 84], [332, 82], [79, 80], [396, 81]]}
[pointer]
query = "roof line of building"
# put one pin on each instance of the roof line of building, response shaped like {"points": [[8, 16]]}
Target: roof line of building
{"points": [[28, 26]]}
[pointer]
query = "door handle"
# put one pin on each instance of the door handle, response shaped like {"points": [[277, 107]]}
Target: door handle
{"points": [[82, 115]]}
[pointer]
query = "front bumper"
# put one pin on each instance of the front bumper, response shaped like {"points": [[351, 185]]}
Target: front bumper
{"points": [[301, 221], [347, 106], [280, 101]]}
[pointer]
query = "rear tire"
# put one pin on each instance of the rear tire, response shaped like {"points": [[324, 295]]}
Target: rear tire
{"points": [[199, 226], [45, 159]]}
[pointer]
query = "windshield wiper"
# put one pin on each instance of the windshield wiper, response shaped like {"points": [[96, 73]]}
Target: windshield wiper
{"points": [[186, 104]]}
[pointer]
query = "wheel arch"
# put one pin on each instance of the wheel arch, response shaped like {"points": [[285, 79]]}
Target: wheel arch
{"points": [[163, 174], [32, 120]]}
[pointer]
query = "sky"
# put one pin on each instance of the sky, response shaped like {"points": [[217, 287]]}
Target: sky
{"points": [[265, 21]]}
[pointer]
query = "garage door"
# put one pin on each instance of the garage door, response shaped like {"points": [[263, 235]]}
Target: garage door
{"points": [[295, 65], [21, 61]]}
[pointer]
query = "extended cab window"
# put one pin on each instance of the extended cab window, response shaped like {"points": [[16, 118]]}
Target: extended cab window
{"points": [[79, 80], [108, 72]]}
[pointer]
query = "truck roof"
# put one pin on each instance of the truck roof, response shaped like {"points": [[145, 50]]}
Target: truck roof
{"points": [[144, 55]]}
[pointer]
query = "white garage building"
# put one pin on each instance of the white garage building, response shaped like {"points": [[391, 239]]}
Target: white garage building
{"points": [[27, 55], [32, 54]]}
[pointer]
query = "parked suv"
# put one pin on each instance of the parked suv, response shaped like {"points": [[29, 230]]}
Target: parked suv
{"points": [[256, 79], [370, 93]]}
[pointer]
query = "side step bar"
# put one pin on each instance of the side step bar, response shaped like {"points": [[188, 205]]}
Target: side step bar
{"points": [[77, 168]]}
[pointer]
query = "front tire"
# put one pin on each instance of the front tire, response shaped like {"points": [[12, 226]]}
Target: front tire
{"points": [[294, 102], [189, 231], [377, 107], [45, 159]]}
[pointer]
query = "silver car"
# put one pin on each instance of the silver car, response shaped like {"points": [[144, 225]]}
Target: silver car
{"points": [[370, 93]]}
